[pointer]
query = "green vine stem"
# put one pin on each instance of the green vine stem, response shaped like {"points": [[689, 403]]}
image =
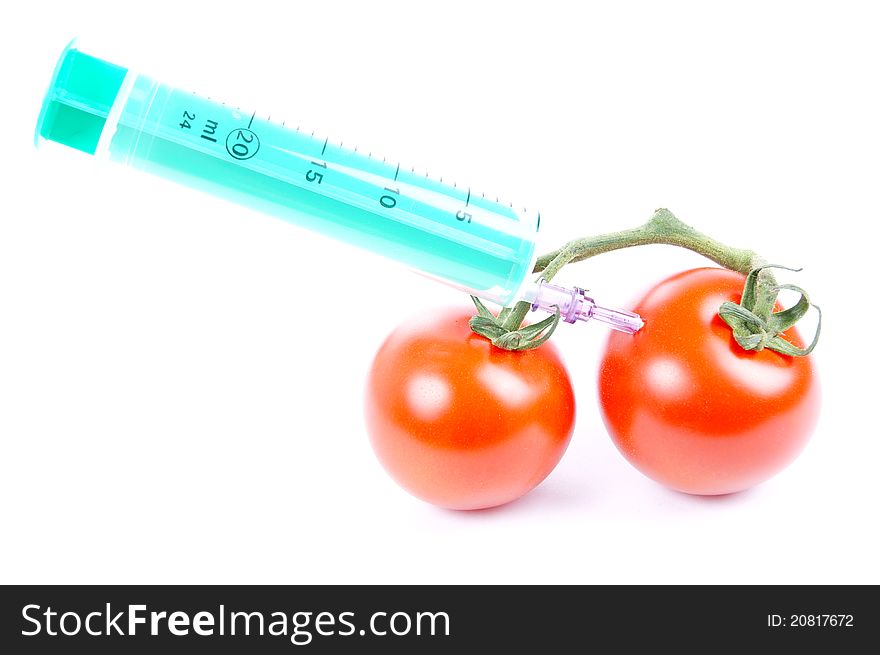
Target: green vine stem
{"points": [[753, 326], [663, 227]]}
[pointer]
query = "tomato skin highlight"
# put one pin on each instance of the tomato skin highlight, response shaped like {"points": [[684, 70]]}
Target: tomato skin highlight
{"points": [[460, 423], [691, 409]]}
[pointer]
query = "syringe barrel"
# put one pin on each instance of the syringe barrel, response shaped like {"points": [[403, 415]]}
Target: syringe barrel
{"points": [[443, 230]]}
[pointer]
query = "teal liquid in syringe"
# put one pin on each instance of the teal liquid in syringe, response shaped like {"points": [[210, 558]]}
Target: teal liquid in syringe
{"points": [[448, 232]]}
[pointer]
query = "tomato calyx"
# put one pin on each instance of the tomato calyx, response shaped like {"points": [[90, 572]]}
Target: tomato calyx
{"points": [[527, 337], [754, 323]]}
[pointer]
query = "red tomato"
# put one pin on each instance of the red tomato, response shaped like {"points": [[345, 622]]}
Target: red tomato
{"points": [[688, 407], [460, 423]]}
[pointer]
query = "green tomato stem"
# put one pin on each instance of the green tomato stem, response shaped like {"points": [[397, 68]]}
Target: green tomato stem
{"points": [[754, 322], [663, 227]]}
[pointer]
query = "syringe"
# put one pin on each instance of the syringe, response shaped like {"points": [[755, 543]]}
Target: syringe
{"points": [[446, 231]]}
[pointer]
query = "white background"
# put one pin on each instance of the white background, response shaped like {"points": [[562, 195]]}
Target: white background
{"points": [[181, 379]]}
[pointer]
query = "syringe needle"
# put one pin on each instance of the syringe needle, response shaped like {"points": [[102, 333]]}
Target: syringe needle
{"points": [[617, 319], [574, 305]]}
